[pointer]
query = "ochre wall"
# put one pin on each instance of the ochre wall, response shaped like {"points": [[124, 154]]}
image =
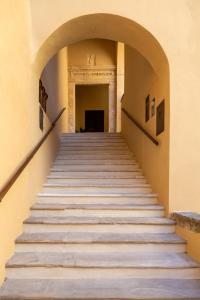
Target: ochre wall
{"points": [[19, 124], [104, 50], [120, 82], [141, 81], [55, 81], [193, 241], [91, 97]]}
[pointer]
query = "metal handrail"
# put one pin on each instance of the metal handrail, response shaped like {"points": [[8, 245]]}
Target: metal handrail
{"points": [[7, 186], [151, 138]]}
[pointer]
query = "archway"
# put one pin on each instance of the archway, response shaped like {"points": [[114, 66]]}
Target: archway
{"points": [[145, 57]]}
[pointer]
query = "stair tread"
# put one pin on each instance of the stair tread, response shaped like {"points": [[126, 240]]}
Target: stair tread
{"points": [[123, 288], [119, 185], [81, 194], [102, 260], [98, 220], [91, 206], [115, 245], [98, 237]]}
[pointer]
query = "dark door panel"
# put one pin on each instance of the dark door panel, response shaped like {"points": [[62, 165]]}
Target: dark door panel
{"points": [[94, 120]]}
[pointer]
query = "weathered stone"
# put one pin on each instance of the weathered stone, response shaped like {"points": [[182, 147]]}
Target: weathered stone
{"points": [[188, 220]]}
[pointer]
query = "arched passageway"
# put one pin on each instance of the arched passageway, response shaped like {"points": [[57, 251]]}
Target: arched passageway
{"points": [[146, 78]]}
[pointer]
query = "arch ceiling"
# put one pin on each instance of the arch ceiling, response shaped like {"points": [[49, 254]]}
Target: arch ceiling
{"points": [[104, 26]]}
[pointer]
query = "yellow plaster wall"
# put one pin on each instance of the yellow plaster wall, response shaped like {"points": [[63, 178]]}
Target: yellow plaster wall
{"points": [[141, 81], [104, 51], [193, 241], [91, 97], [120, 82], [55, 81], [19, 124]]}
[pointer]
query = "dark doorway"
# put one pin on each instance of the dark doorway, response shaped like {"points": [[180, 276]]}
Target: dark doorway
{"points": [[94, 120]]}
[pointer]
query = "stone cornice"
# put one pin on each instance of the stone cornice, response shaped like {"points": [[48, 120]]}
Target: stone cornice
{"points": [[88, 68], [92, 74]]}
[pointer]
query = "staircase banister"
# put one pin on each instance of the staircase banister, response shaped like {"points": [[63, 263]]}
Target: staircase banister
{"points": [[149, 136], [7, 186]]}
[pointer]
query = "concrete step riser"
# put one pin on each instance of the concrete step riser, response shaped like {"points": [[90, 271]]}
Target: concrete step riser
{"points": [[104, 247], [190, 273], [99, 213], [123, 228]]}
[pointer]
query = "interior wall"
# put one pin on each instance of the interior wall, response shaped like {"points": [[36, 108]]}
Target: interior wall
{"points": [[19, 125], [55, 80], [104, 51], [120, 82], [141, 81], [91, 97]]}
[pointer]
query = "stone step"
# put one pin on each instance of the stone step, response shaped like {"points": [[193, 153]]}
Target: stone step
{"points": [[93, 143], [67, 161], [109, 199], [105, 184], [99, 242], [95, 134], [163, 260], [95, 174], [89, 149], [93, 151], [87, 223], [95, 181], [100, 145], [81, 273], [96, 168], [93, 206], [89, 210], [101, 247], [51, 188], [96, 157], [101, 288]]}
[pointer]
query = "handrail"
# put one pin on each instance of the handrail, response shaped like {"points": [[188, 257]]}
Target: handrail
{"points": [[140, 127], [27, 159]]}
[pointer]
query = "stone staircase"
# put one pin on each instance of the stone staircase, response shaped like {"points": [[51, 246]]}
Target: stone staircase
{"points": [[97, 232]]}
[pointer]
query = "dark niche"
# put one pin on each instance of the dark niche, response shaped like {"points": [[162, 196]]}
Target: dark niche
{"points": [[42, 96], [160, 118], [147, 108], [41, 118]]}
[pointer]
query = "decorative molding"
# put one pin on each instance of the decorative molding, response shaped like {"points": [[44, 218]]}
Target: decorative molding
{"points": [[92, 74], [188, 220]]}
